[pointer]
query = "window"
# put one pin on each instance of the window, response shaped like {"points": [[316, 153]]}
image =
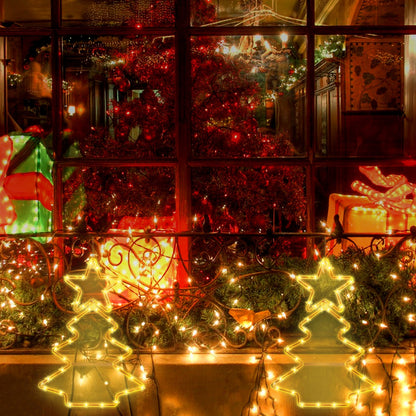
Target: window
{"points": [[244, 114], [207, 152]]}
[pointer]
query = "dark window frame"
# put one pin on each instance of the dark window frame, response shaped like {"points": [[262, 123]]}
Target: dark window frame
{"points": [[184, 162]]}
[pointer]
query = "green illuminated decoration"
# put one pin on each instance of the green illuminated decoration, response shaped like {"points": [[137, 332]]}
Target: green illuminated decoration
{"points": [[29, 185]]}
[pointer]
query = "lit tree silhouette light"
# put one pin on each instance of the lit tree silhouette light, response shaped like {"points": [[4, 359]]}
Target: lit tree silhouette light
{"points": [[324, 307], [94, 373]]}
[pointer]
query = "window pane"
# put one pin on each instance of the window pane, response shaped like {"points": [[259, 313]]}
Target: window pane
{"points": [[248, 12], [18, 13], [351, 12], [29, 84], [118, 13], [119, 95], [249, 200], [248, 96], [100, 199], [359, 95]]}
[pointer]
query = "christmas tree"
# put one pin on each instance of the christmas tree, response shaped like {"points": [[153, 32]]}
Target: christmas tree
{"points": [[324, 328], [94, 373]]}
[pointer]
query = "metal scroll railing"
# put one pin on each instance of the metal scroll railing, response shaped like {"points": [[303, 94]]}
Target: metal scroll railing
{"points": [[206, 291]]}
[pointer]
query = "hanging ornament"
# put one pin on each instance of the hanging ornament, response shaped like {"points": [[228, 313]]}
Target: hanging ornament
{"points": [[124, 85]]}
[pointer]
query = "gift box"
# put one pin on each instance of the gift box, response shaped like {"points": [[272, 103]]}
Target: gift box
{"points": [[142, 264], [358, 214], [28, 184], [74, 197]]}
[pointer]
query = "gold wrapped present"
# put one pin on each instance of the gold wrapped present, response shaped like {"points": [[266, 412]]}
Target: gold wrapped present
{"points": [[358, 214]]}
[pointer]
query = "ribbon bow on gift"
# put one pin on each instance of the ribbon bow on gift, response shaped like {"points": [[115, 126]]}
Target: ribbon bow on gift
{"points": [[400, 196]]}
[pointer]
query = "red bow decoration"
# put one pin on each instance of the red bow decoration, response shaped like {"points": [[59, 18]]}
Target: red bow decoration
{"points": [[19, 186], [400, 196], [7, 212]]}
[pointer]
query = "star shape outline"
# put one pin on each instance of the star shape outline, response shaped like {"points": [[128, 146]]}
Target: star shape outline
{"points": [[310, 282], [93, 267]]}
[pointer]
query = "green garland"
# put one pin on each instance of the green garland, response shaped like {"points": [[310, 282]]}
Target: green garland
{"points": [[380, 308], [334, 47]]}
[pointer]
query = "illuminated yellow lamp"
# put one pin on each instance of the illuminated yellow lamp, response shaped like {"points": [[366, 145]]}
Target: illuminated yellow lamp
{"points": [[263, 392], [400, 376], [71, 110], [89, 309], [402, 361], [324, 297], [359, 407], [144, 263], [284, 37]]}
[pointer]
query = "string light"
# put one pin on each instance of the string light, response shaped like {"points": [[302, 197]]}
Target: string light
{"points": [[329, 302], [84, 309], [143, 262]]}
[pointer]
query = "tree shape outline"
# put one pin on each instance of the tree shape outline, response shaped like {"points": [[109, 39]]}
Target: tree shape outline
{"points": [[82, 309], [315, 308]]}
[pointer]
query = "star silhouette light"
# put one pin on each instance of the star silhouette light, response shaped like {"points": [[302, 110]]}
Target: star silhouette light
{"points": [[324, 288], [91, 287]]}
